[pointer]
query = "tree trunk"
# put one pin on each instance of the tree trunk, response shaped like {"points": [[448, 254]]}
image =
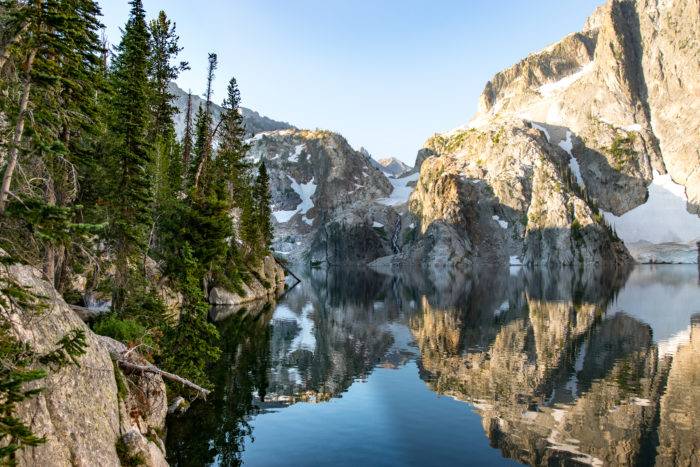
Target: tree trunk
{"points": [[17, 137], [5, 55], [50, 256]]}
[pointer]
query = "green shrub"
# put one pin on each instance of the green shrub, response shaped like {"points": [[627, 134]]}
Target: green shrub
{"points": [[124, 330], [622, 151]]}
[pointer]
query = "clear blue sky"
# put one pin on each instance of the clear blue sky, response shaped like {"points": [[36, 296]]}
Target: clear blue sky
{"points": [[386, 74]]}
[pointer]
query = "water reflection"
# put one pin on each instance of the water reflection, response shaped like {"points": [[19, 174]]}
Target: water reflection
{"points": [[562, 367]]}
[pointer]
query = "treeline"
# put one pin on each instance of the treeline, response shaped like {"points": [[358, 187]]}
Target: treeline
{"points": [[96, 186]]}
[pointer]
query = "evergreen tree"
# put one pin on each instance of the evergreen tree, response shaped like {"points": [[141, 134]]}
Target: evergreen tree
{"points": [[201, 148], [193, 342], [261, 195], [57, 50], [231, 167], [130, 215], [164, 49], [187, 137], [250, 229], [205, 135]]}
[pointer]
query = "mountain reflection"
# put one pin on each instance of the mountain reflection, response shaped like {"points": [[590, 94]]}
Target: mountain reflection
{"points": [[563, 367]]}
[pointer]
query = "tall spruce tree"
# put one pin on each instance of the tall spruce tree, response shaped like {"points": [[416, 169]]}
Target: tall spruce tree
{"points": [[164, 50], [187, 138], [131, 196], [200, 148], [230, 171], [231, 166], [261, 196], [204, 144]]}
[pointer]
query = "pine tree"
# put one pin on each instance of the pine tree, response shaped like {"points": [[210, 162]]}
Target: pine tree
{"points": [[207, 136], [261, 196], [250, 229], [130, 215], [187, 138], [193, 342], [164, 49], [201, 148], [231, 166], [57, 49]]}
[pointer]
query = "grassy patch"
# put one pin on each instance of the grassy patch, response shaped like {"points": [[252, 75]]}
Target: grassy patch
{"points": [[622, 151]]}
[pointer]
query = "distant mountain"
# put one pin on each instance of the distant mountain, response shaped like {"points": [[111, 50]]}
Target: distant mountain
{"points": [[254, 122], [394, 167], [389, 166]]}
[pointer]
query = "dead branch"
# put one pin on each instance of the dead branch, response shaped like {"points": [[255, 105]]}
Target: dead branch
{"points": [[118, 351], [155, 370]]}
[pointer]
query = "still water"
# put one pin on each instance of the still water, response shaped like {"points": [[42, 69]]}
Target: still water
{"points": [[497, 368]]}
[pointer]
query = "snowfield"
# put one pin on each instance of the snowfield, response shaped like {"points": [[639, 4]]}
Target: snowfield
{"points": [[305, 192], [567, 145], [662, 219], [401, 192], [552, 88]]}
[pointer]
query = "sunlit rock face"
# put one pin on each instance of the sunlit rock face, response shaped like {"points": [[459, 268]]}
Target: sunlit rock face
{"points": [[393, 167], [557, 379], [503, 193], [621, 99], [78, 409]]}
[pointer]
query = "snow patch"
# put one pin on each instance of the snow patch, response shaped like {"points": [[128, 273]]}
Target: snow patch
{"points": [[552, 88], [503, 224], [515, 261], [305, 192], [401, 192], [567, 145], [541, 128], [283, 216], [377, 225], [634, 127], [294, 157], [662, 219]]}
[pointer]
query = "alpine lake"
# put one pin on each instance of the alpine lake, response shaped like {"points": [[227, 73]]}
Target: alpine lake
{"points": [[497, 367]]}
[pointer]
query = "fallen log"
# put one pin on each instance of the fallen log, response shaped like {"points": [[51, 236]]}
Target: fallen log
{"points": [[154, 369], [119, 353]]}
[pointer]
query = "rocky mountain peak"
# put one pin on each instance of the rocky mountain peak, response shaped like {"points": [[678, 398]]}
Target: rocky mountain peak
{"points": [[394, 167], [610, 96], [254, 122]]}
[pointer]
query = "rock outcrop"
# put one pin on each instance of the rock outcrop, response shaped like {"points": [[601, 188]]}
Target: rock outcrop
{"points": [[504, 193], [597, 129], [581, 135], [265, 282], [90, 413]]}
